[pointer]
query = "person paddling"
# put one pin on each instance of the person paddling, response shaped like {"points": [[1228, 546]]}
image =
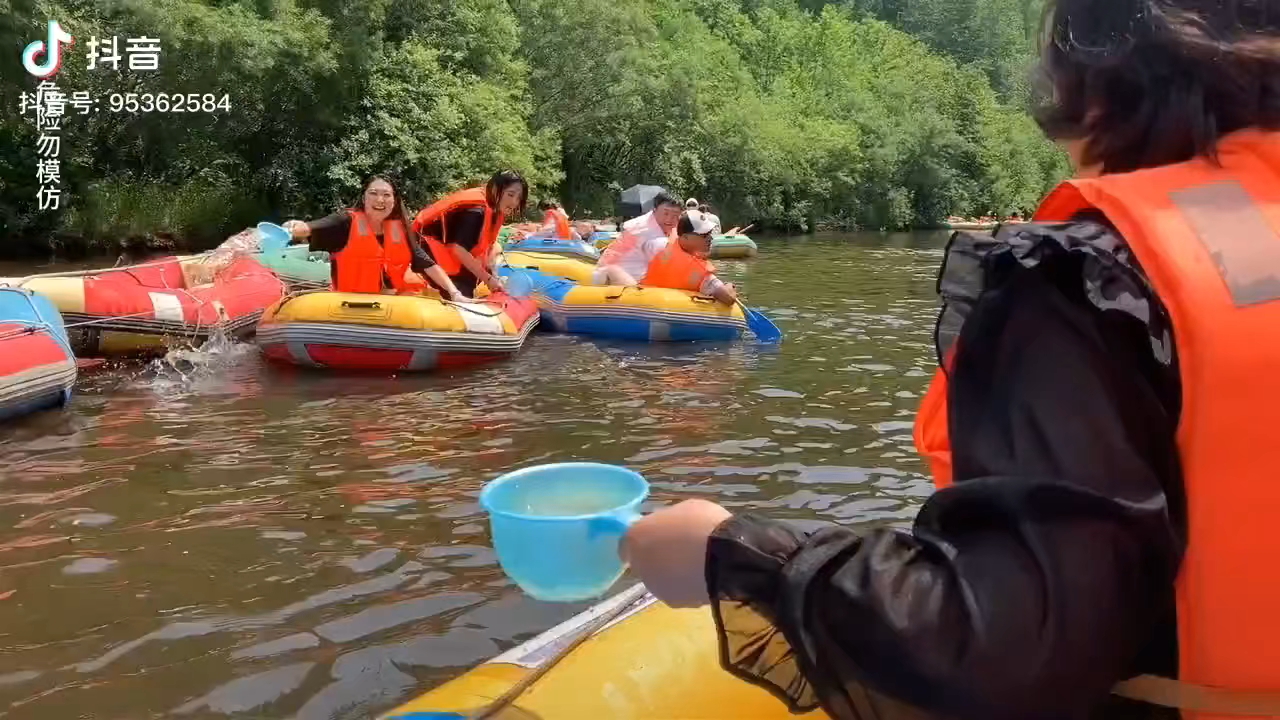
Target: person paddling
{"points": [[1103, 544], [461, 229], [683, 265], [371, 246]]}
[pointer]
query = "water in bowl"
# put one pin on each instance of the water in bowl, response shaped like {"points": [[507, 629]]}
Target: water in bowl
{"points": [[570, 502]]}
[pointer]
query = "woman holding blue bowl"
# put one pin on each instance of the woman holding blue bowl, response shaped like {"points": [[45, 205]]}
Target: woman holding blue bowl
{"points": [[1103, 541], [372, 245]]}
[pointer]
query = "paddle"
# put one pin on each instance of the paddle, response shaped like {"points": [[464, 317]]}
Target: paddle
{"points": [[763, 328], [274, 238]]}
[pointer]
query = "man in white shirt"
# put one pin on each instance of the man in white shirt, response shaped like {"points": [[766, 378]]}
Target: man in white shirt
{"points": [[627, 259]]}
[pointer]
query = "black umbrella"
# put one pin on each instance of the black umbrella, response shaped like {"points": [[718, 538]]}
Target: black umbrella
{"points": [[638, 200]]}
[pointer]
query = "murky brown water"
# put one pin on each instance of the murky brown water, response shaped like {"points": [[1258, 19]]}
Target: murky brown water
{"points": [[212, 538]]}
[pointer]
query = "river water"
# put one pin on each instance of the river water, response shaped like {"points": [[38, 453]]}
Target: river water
{"points": [[208, 537]]}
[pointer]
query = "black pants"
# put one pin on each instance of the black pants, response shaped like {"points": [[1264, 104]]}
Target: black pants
{"points": [[466, 283]]}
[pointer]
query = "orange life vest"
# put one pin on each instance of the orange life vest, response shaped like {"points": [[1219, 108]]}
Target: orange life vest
{"points": [[1208, 237], [359, 267], [677, 269], [470, 198], [558, 219]]}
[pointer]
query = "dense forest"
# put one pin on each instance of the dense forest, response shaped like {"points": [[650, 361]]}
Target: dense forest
{"points": [[795, 114]]}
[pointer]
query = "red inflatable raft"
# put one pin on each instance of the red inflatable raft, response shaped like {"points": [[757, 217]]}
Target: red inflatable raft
{"points": [[144, 308]]}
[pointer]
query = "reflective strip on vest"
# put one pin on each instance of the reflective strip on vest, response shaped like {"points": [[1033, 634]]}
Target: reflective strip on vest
{"points": [[363, 263], [1207, 235], [1171, 693], [1235, 233]]}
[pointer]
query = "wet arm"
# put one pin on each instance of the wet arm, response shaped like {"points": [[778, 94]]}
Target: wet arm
{"points": [[719, 289]]}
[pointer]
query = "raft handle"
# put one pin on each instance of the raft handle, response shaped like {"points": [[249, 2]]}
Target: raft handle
{"points": [[703, 299], [354, 304]]}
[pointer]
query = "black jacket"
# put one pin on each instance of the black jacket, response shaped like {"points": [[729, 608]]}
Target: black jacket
{"points": [[1046, 573]]}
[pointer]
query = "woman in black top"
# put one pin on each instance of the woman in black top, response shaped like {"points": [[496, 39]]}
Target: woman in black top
{"points": [[379, 201], [1046, 573], [464, 226]]}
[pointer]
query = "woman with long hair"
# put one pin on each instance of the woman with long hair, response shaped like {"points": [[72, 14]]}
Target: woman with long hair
{"points": [[1103, 541], [372, 245], [461, 229]]}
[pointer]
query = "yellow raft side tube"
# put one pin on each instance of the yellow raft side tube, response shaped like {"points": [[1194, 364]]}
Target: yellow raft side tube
{"points": [[657, 664], [575, 269], [402, 312], [66, 293], [651, 298]]}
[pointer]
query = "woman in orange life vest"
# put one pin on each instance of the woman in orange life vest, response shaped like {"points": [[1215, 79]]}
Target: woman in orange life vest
{"points": [[555, 222], [461, 229], [371, 245], [682, 265], [1105, 544]]}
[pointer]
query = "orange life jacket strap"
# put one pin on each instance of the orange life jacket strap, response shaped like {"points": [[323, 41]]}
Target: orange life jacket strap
{"points": [[1171, 693]]}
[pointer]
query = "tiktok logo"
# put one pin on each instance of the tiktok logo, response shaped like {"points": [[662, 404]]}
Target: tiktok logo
{"points": [[50, 48]]}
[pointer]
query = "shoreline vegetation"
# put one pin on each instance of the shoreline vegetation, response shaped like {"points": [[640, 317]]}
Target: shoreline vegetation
{"points": [[793, 115]]}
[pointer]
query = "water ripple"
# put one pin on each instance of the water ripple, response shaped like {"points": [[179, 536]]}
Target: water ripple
{"points": [[206, 536]]}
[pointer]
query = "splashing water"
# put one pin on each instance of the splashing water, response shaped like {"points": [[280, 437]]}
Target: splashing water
{"points": [[186, 366]]}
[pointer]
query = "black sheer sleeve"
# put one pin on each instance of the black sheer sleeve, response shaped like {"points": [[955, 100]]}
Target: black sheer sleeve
{"points": [[330, 232], [1045, 574]]}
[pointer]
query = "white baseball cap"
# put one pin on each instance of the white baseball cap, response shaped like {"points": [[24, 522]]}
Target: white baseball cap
{"points": [[692, 221], [691, 203]]}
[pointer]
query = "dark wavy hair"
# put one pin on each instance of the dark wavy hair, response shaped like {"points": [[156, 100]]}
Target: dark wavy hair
{"points": [[503, 180], [398, 211], [1145, 83]]}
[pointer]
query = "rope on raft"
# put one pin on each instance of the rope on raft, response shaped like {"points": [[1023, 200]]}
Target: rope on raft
{"points": [[196, 328], [30, 327]]}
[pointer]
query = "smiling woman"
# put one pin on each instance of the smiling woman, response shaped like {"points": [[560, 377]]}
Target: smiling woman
{"points": [[372, 246], [462, 228]]}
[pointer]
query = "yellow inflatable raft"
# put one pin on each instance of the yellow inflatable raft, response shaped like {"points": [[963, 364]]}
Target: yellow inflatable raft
{"points": [[354, 331], [571, 268], [649, 662], [645, 314]]}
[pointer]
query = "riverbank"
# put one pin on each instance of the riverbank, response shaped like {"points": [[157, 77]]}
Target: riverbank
{"points": [[793, 115]]}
